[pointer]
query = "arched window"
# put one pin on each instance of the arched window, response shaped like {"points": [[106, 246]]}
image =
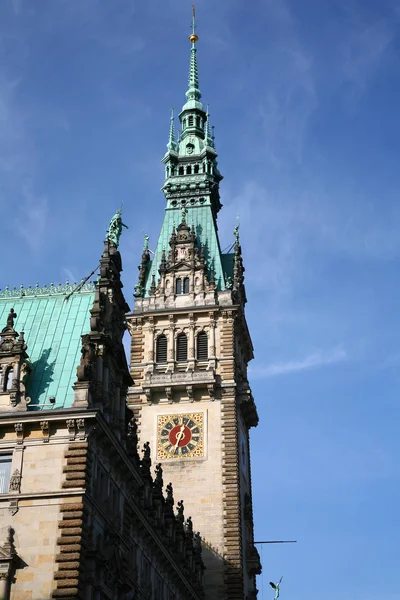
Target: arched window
{"points": [[202, 346], [198, 122], [180, 170], [186, 285], [189, 170], [7, 381], [191, 121], [161, 349], [172, 170], [184, 123], [178, 286], [181, 348], [196, 168]]}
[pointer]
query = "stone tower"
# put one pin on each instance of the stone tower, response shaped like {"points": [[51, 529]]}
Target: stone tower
{"points": [[189, 354]]}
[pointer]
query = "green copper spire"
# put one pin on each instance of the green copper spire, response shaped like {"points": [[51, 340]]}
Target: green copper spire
{"points": [[172, 145], [193, 93], [208, 137]]}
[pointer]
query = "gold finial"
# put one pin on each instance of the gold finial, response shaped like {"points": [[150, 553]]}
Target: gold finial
{"points": [[193, 37]]}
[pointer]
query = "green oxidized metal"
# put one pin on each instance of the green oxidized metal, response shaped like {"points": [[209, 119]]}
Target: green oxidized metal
{"points": [[192, 182], [53, 321]]}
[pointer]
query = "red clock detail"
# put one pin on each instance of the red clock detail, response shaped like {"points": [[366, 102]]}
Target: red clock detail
{"points": [[180, 436]]}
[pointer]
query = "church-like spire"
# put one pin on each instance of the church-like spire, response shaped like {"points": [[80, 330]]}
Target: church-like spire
{"points": [[171, 140], [208, 137], [193, 92]]}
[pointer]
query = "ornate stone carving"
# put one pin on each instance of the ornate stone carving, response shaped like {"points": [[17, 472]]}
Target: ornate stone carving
{"points": [[44, 426], [189, 391], [15, 481], [71, 429], [80, 423], [19, 430]]}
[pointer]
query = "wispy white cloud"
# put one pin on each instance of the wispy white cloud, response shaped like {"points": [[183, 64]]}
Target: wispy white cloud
{"points": [[68, 273], [316, 359], [32, 219]]}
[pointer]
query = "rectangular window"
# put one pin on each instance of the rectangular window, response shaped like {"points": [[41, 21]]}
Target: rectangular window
{"points": [[5, 472]]}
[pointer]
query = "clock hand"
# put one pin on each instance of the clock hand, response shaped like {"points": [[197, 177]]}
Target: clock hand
{"points": [[179, 436]]}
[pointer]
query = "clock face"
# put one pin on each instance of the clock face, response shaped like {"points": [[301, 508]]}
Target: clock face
{"points": [[180, 436]]}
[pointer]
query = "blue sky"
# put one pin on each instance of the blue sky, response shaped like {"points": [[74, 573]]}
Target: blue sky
{"points": [[304, 97]]}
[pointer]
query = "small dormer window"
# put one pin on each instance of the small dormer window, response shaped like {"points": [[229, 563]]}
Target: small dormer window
{"points": [[191, 121], [182, 286], [7, 380]]}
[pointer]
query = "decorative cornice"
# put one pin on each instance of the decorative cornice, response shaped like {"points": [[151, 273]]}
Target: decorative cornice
{"points": [[51, 290]]}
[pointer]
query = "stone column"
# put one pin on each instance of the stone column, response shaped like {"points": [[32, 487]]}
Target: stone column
{"points": [[5, 584], [151, 344], [211, 339], [171, 343]]}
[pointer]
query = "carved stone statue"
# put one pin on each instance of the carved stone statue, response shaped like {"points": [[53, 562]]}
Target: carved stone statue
{"points": [[180, 516], [115, 228], [10, 319], [170, 496], [15, 481]]}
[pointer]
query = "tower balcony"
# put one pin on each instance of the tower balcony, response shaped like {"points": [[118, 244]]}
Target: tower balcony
{"points": [[168, 382]]}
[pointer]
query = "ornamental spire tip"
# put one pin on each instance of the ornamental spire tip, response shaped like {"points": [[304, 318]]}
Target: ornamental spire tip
{"points": [[193, 37]]}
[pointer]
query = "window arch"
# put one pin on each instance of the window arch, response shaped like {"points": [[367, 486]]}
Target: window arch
{"points": [[181, 348], [196, 168], [7, 381], [202, 346], [180, 170], [161, 349], [178, 286], [186, 285], [189, 170]]}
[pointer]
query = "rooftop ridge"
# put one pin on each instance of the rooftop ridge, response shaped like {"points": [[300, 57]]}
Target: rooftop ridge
{"points": [[51, 290]]}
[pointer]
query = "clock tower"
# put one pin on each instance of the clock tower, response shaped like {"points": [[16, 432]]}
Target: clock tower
{"points": [[190, 347]]}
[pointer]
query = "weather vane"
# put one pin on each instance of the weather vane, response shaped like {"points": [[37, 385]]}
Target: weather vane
{"points": [[276, 586]]}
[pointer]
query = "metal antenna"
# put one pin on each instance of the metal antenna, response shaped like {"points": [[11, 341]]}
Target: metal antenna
{"points": [[278, 542]]}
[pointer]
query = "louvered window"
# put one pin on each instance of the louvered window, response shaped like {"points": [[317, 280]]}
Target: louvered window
{"points": [[181, 348], [191, 121], [186, 285], [178, 286], [5, 470], [161, 350], [202, 346]]}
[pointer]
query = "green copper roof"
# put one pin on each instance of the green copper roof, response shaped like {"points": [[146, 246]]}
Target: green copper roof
{"points": [[206, 232], [53, 324]]}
